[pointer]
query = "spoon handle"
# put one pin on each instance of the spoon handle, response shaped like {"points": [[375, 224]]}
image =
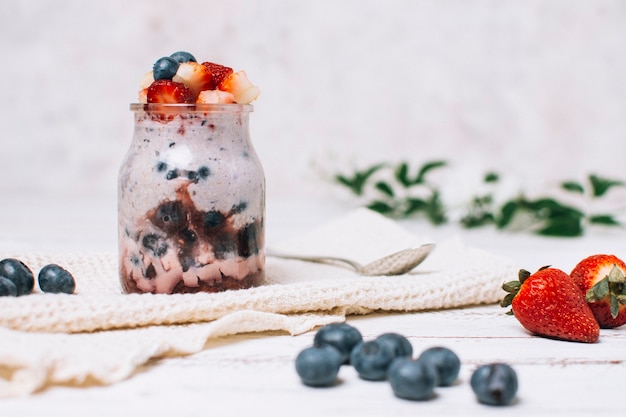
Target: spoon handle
{"points": [[317, 259]]}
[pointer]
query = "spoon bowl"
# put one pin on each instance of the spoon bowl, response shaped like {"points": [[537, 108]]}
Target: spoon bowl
{"points": [[397, 263]]}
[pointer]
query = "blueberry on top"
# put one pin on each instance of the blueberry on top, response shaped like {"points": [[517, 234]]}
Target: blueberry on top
{"points": [[54, 279], [165, 68], [182, 56], [18, 273]]}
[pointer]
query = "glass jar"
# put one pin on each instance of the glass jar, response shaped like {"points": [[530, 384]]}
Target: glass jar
{"points": [[191, 201]]}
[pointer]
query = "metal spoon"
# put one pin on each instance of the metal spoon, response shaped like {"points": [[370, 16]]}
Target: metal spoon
{"points": [[396, 263]]}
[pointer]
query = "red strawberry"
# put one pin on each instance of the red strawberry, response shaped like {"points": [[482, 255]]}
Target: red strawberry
{"points": [[548, 303], [220, 72], [601, 278], [195, 76], [169, 92]]}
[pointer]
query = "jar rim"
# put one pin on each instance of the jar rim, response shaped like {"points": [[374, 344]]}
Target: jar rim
{"points": [[192, 108]]}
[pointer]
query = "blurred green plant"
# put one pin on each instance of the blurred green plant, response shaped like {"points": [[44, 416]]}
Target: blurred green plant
{"points": [[399, 191]]}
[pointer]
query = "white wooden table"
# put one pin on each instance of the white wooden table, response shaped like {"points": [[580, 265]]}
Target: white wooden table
{"points": [[253, 374]]}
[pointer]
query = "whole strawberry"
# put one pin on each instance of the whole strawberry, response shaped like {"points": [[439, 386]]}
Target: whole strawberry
{"points": [[548, 303], [601, 278]]}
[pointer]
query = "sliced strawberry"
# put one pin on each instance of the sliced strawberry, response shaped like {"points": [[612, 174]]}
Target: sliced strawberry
{"points": [[195, 76], [240, 86], [601, 278], [169, 92], [220, 72], [215, 97]]}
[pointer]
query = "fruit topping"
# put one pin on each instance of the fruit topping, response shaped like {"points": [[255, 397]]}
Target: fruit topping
{"points": [[209, 82], [240, 87], [182, 56], [602, 280], [215, 97], [54, 279], [165, 68], [169, 92], [548, 303], [220, 72], [494, 384], [195, 76]]}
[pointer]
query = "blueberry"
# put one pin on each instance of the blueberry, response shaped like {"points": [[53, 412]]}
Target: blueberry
{"points": [[165, 68], [170, 216], [494, 384], [52, 278], [182, 56], [7, 288], [318, 366], [445, 362], [371, 359], [17, 272], [412, 379], [214, 219], [399, 344], [342, 336]]}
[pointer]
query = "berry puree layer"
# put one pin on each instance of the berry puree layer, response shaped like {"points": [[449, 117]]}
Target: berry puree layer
{"points": [[191, 196]]}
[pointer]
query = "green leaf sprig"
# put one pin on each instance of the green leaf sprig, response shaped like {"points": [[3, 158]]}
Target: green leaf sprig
{"points": [[401, 192]]}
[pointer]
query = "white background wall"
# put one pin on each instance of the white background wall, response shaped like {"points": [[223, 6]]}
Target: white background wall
{"points": [[533, 89]]}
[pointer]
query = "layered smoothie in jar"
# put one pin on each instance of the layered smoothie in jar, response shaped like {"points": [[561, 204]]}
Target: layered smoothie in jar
{"points": [[191, 189]]}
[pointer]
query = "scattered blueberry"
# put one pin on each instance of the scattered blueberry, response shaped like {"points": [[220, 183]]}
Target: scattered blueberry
{"points": [[52, 278], [17, 272], [445, 362], [7, 288], [371, 359], [342, 336], [398, 343], [494, 384], [318, 366], [412, 379], [182, 56], [165, 68]]}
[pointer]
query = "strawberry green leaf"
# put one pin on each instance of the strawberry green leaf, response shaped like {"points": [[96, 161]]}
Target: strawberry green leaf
{"points": [[599, 290], [616, 275], [511, 286], [614, 306], [507, 300], [601, 185]]}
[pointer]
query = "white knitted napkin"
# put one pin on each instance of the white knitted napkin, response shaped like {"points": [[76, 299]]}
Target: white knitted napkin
{"points": [[99, 334]]}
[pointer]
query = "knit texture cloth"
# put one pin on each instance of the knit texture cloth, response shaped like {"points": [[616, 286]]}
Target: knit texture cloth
{"points": [[100, 335]]}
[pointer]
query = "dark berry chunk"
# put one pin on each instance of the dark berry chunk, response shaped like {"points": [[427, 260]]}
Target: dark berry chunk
{"points": [[53, 278], [400, 345], [214, 219], [182, 56], [17, 272], [170, 217], [372, 359], [165, 68], [155, 244], [318, 366], [7, 288], [204, 172], [412, 379], [445, 362], [494, 384], [342, 336]]}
